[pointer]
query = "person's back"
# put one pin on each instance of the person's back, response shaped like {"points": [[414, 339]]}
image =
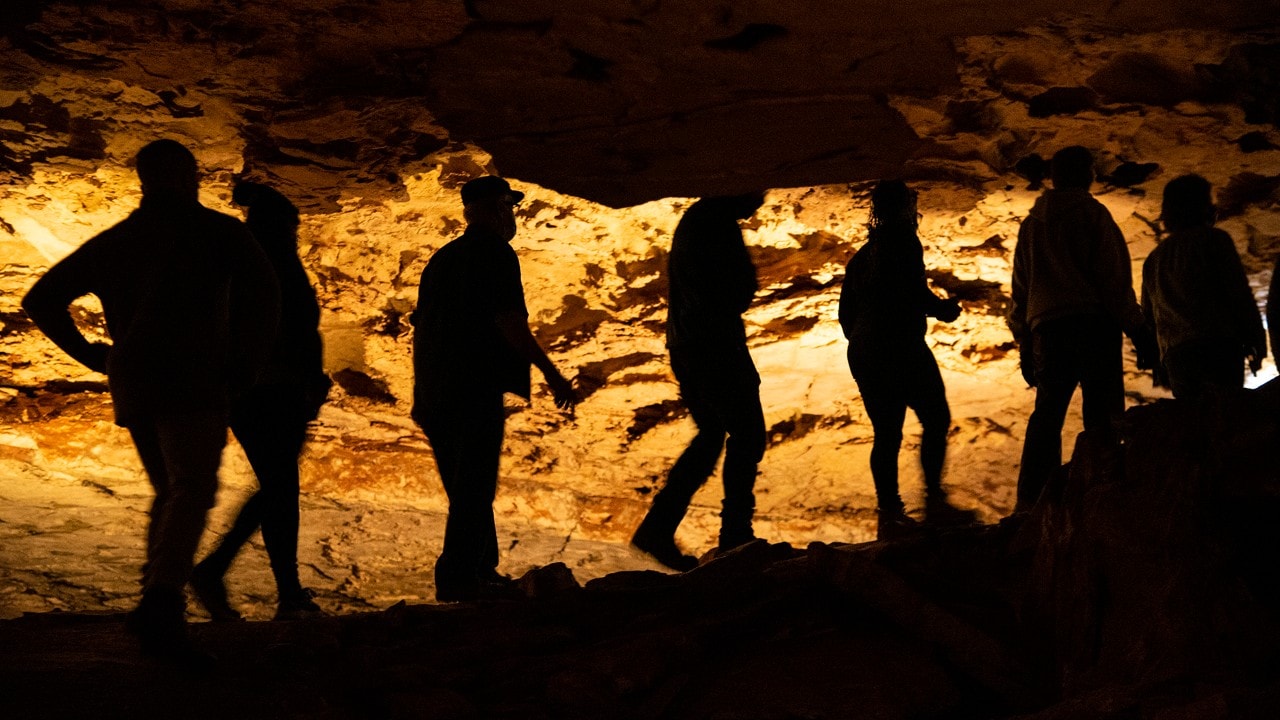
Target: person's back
{"points": [[711, 277], [466, 285], [191, 308], [885, 298], [1197, 297], [1072, 297]]}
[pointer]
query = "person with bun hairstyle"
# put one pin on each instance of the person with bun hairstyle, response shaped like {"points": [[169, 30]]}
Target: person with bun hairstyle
{"points": [[270, 418], [884, 303]]}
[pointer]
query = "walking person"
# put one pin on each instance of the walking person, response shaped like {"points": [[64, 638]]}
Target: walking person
{"points": [[712, 282], [270, 419], [191, 306], [884, 303], [471, 345]]}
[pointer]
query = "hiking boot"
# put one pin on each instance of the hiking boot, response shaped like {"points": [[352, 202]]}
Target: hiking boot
{"points": [[211, 593], [894, 523], [664, 550], [938, 510], [160, 625], [299, 604]]}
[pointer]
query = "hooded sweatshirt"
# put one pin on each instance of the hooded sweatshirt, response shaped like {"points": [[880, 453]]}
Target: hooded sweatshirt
{"points": [[1194, 289], [1071, 260]]}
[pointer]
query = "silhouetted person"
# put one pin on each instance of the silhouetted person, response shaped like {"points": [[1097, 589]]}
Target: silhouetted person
{"points": [[1197, 297], [1072, 297], [270, 419], [191, 307], [1273, 311], [712, 282], [884, 302], [471, 345]]}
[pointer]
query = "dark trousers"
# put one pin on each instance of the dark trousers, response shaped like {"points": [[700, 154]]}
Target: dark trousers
{"points": [[723, 397], [271, 425], [466, 437], [181, 454], [890, 381], [1069, 352], [1194, 366]]}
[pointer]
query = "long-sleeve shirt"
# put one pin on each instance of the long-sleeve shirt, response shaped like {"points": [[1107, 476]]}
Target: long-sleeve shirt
{"points": [[712, 282], [885, 298], [190, 301], [1194, 288], [1071, 260]]}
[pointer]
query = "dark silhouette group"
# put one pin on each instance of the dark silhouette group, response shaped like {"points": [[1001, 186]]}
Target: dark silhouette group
{"points": [[214, 326]]}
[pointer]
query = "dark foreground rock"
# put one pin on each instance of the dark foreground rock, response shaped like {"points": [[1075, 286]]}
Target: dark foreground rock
{"points": [[1141, 586]]}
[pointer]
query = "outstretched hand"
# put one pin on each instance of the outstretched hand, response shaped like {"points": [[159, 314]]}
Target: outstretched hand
{"points": [[1255, 357], [566, 397]]}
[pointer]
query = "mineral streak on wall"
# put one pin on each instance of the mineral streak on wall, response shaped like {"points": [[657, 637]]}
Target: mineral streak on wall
{"points": [[371, 120]]}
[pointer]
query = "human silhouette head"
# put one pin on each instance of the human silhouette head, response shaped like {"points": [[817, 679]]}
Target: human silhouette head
{"points": [[893, 206], [1187, 203], [1072, 168], [488, 203], [271, 216], [167, 171], [738, 207]]}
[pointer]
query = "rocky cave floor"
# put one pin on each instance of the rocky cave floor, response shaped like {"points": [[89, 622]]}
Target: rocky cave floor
{"points": [[1139, 587]]}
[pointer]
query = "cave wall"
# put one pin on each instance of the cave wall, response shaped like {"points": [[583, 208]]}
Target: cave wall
{"points": [[611, 116]]}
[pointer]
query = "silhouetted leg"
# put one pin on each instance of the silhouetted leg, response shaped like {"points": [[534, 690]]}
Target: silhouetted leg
{"points": [[272, 432], [1057, 375], [187, 451], [928, 398], [181, 455], [887, 411], [1102, 379], [466, 437], [743, 418]]}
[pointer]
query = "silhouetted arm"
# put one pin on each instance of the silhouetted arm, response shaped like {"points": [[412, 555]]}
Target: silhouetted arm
{"points": [[848, 312], [49, 301], [1114, 276], [1017, 317], [1273, 310], [515, 330], [1246, 322]]}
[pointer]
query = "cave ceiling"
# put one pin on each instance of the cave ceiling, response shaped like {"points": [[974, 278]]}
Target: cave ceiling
{"points": [[616, 102]]}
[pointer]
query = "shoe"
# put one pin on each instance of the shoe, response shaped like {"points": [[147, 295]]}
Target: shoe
{"points": [[665, 552], [894, 523], [299, 604], [938, 510], [160, 624], [492, 586], [211, 593], [729, 542]]}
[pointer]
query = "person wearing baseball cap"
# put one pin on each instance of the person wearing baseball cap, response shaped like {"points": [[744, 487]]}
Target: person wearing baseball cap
{"points": [[471, 346]]}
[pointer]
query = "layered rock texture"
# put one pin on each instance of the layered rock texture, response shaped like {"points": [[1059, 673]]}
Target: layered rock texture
{"points": [[610, 116]]}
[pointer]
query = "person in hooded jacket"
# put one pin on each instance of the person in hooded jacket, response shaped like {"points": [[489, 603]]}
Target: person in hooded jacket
{"points": [[270, 419], [1196, 296], [1072, 300], [884, 303]]}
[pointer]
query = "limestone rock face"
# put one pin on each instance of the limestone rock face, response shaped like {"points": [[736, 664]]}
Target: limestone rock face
{"points": [[610, 116]]}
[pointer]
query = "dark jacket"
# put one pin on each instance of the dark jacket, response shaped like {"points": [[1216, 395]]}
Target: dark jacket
{"points": [[458, 346], [885, 297], [1195, 289], [1071, 260], [191, 306], [712, 281]]}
